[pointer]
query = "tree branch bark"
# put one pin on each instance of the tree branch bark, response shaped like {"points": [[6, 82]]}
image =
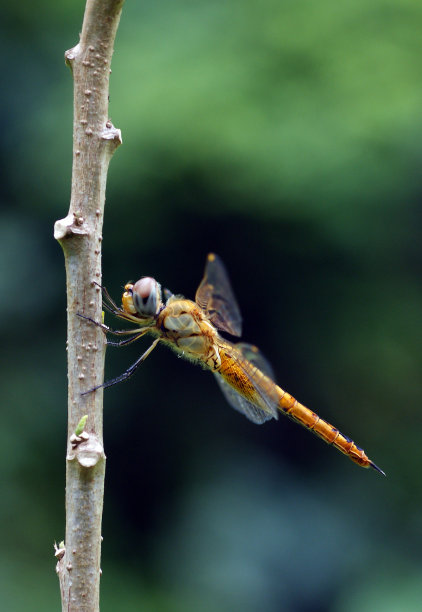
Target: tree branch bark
{"points": [[80, 234]]}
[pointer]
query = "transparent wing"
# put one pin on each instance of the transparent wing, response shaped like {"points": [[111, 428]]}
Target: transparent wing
{"points": [[254, 355], [247, 383], [215, 296], [239, 403]]}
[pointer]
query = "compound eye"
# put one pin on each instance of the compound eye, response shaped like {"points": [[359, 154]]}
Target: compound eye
{"points": [[146, 295]]}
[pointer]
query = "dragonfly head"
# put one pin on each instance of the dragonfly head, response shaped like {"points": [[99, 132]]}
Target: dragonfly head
{"points": [[142, 299]]}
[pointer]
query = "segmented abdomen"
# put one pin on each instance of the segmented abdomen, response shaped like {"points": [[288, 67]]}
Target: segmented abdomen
{"points": [[259, 389], [330, 434]]}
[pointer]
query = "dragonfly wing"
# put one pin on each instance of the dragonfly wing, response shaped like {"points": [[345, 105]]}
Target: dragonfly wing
{"points": [[254, 355], [239, 403], [254, 381], [215, 296]]}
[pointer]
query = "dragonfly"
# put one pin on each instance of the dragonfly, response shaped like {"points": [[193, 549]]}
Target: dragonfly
{"points": [[192, 329]]}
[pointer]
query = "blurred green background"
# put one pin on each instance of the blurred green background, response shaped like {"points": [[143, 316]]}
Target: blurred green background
{"points": [[285, 136]]}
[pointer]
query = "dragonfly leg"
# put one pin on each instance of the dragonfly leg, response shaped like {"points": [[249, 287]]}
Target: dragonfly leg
{"points": [[109, 299], [111, 310], [127, 340], [108, 303], [103, 327], [108, 330], [129, 371]]}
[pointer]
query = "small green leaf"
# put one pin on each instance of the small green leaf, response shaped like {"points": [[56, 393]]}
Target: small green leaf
{"points": [[80, 426]]}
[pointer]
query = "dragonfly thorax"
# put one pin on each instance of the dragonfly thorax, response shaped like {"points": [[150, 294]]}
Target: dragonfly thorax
{"points": [[188, 331], [181, 318]]}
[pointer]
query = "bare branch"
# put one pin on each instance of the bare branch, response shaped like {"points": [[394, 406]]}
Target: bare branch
{"points": [[80, 234]]}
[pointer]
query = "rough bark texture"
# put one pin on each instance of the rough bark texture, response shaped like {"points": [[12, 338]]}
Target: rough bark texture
{"points": [[80, 234]]}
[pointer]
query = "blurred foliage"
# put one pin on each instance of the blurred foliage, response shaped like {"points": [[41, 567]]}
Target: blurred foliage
{"points": [[286, 136]]}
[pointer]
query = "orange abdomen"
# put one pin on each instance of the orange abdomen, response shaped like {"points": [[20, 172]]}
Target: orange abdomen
{"points": [[259, 389], [330, 434]]}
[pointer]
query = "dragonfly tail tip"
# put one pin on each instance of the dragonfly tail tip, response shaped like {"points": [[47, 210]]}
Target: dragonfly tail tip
{"points": [[375, 467]]}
